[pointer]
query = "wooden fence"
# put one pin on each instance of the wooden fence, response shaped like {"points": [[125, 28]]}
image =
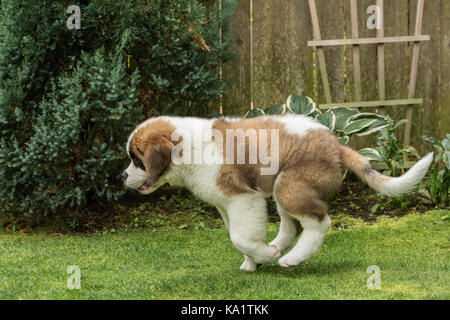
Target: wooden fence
{"points": [[283, 64]]}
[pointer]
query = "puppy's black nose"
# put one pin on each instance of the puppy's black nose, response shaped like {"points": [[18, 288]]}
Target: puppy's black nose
{"points": [[124, 175]]}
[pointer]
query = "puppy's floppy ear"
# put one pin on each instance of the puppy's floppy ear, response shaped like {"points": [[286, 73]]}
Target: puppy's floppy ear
{"points": [[157, 157]]}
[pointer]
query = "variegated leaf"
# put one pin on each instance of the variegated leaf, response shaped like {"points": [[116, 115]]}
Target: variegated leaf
{"points": [[300, 105], [358, 125], [370, 154], [252, 113], [365, 115], [328, 119], [374, 127], [342, 114], [277, 109], [344, 139]]}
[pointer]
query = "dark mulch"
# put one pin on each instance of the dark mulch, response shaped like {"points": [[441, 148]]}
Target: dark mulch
{"points": [[178, 208], [359, 201]]}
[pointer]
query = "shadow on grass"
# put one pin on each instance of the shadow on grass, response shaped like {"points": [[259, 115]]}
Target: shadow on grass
{"points": [[313, 268]]}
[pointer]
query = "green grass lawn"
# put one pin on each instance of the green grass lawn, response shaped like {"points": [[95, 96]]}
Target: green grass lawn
{"points": [[167, 263]]}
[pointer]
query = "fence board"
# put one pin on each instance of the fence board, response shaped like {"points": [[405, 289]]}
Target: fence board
{"points": [[433, 82], [368, 65], [237, 99], [397, 56], [442, 109], [356, 56], [332, 26], [368, 55], [282, 61]]}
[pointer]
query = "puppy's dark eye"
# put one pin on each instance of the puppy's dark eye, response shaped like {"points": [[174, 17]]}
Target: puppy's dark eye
{"points": [[136, 161]]}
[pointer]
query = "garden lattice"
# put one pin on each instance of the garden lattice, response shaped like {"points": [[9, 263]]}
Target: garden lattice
{"points": [[379, 40]]}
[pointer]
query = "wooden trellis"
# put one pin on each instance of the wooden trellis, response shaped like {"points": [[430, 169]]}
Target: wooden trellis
{"points": [[379, 40]]}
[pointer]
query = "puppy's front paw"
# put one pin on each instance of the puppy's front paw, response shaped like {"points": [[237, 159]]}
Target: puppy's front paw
{"points": [[249, 266], [267, 254]]}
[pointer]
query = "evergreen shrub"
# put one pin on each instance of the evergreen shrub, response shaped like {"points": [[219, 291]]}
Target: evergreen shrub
{"points": [[69, 98]]}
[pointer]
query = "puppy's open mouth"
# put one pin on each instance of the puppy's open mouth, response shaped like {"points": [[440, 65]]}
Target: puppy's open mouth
{"points": [[146, 186]]}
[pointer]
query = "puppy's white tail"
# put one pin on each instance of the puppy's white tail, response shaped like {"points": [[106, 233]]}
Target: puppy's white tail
{"points": [[383, 184]]}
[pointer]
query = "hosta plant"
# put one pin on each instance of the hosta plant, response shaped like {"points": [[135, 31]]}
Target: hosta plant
{"points": [[438, 184], [389, 150], [344, 122]]}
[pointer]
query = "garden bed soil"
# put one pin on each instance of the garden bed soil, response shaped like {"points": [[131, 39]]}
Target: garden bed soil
{"points": [[179, 208]]}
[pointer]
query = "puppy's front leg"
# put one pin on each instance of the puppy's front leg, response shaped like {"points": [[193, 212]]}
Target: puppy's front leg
{"points": [[224, 215], [247, 225], [248, 264]]}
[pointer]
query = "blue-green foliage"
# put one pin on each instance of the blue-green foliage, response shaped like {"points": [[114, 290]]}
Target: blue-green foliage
{"points": [[69, 98], [76, 147]]}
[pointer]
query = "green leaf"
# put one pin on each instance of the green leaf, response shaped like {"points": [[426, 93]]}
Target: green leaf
{"points": [[375, 207], [433, 140], [400, 123], [315, 114], [344, 139], [410, 151], [370, 154], [446, 159], [446, 142], [277, 109], [357, 126], [328, 119], [252, 113], [365, 115], [300, 105], [374, 127], [342, 114]]}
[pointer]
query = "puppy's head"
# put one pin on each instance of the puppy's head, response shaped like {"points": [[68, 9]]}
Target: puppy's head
{"points": [[149, 148]]}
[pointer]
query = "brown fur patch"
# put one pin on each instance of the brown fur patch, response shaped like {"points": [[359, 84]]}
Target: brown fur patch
{"points": [[244, 178], [311, 168], [153, 146]]}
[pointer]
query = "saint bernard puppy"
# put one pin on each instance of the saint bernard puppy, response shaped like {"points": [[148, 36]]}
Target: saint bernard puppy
{"points": [[221, 168]]}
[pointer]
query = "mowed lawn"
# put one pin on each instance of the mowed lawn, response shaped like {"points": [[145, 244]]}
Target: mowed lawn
{"points": [[412, 253]]}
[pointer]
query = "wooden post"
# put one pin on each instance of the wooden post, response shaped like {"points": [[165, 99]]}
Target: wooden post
{"points": [[380, 55], [237, 99], [355, 49], [322, 65], [413, 76]]}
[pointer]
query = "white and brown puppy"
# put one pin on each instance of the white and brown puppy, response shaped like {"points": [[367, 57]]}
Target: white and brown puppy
{"points": [[308, 160]]}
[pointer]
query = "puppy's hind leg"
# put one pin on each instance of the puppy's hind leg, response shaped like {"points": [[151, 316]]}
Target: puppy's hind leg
{"points": [[309, 243], [303, 203], [289, 230]]}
